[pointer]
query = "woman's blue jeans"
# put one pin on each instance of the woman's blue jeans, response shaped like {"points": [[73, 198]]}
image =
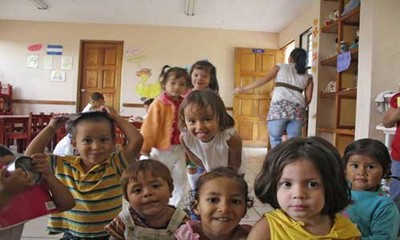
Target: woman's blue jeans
{"points": [[276, 128]]}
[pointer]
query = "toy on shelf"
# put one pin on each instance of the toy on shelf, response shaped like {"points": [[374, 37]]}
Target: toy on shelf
{"points": [[332, 17], [354, 44], [343, 47], [330, 87]]}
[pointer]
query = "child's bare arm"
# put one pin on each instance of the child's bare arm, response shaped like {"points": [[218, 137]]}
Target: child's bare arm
{"points": [[38, 144], [392, 116], [309, 91], [61, 195], [260, 230], [190, 154], [235, 152], [12, 183], [133, 136]]}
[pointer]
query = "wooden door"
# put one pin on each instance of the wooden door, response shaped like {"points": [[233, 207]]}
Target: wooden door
{"points": [[250, 109], [100, 71]]}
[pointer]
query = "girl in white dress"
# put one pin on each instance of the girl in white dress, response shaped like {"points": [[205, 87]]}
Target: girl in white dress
{"points": [[208, 136]]}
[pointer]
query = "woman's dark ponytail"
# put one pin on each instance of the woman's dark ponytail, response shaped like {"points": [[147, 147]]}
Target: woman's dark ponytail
{"points": [[299, 57]]}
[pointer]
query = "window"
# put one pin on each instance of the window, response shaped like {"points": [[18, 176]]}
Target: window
{"points": [[306, 43], [287, 50]]}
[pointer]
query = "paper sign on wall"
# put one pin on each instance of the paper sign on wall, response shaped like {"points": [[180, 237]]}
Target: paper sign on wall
{"points": [[66, 62], [32, 61], [47, 62], [57, 76]]}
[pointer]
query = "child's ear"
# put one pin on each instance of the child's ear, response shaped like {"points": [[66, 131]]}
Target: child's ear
{"points": [[73, 142], [386, 174], [196, 207]]}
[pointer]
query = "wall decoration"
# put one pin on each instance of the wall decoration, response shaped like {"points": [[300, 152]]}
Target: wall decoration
{"points": [[315, 32], [66, 62], [144, 89], [135, 55], [54, 49], [32, 61], [35, 47], [47, 62], [57, 76]]}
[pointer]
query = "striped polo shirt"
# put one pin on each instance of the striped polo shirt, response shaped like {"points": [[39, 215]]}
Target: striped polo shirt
{"points": [[97, 193]]}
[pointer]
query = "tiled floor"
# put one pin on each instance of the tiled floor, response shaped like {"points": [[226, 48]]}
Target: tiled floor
{"points": [[35, 229]]}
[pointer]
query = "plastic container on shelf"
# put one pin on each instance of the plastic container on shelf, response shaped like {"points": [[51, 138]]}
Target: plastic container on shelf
{"points": [[343, 47]]}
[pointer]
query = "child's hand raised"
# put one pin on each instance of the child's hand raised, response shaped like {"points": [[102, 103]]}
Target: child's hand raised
{"points": [[57, 121], [40, 165], [111, 111]]}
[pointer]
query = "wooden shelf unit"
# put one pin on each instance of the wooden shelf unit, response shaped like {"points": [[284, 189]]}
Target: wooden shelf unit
{"points": [[336, 110], [332, 61], [343, 131]]}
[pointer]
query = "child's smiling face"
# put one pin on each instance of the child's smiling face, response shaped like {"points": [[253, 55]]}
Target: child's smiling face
{"points": [[201, 122], [94, 142], [221, 205], [300, 191], [200, 79], [364, 173]]}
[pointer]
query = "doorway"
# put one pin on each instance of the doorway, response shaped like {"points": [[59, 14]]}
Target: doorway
{"points": [[250, 109], [100, 71]]}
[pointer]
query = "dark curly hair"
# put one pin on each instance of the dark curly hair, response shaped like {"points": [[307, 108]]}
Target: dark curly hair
{"points": [[324, 157], [4, 151], [220, 172], [175, 72]]}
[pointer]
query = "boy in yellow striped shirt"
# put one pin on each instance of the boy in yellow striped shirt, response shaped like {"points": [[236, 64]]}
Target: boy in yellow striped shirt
{"points": [[93, 176]]}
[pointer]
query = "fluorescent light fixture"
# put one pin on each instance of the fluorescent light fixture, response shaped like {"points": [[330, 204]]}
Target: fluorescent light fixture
{"points": [[190, 7], [40, 4]]}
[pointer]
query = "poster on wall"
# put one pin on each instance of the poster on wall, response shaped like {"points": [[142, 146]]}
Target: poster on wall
{"points": [[32, 61], [66, 62], [143, 87], [47, 62], [135, 55], [57, 76]]}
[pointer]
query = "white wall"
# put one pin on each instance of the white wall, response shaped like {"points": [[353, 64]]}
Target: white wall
{"points": [[301, 24], [379, 61], [160, 45]]}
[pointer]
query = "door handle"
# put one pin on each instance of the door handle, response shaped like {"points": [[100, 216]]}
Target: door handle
{"points": [[83, 90]]}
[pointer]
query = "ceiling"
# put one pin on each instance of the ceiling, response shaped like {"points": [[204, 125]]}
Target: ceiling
{"points": [[252, 15]]}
